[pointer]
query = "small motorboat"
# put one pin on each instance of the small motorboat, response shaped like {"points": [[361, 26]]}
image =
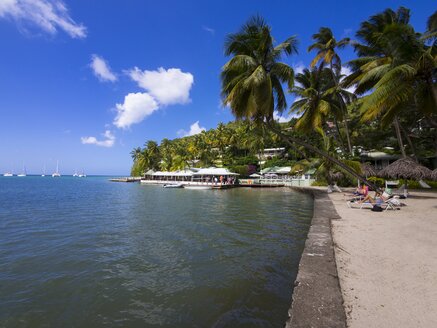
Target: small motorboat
{"points": [[173, 185], [198, 187]]}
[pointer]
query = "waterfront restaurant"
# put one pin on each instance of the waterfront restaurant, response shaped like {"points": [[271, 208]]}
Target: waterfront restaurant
{"points": [[192, 176]]}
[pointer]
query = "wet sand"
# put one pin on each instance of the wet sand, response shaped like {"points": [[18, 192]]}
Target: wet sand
{"points": [[387, 263]]}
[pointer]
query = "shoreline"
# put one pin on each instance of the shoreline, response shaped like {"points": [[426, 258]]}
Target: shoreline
{"points": [[387, 262], [317, 300], [367, 269]]}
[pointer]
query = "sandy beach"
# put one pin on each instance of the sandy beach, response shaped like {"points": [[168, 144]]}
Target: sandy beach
{"points": [[387, 262]]}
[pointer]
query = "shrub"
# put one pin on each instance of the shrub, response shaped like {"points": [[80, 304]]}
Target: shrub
{"points": [[319, 183]]}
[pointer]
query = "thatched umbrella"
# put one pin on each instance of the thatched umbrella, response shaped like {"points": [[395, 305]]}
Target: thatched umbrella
{"points": [[405, 168], [368, 170], [434, 175]]}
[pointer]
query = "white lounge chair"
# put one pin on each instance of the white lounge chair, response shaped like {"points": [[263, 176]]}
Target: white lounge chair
{"points": [[390, 204]]}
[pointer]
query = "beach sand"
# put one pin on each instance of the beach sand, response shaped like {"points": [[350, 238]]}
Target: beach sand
{"points": [[387, 263]]}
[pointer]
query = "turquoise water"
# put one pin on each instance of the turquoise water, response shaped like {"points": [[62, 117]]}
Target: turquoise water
{"points": [[92, 253]]}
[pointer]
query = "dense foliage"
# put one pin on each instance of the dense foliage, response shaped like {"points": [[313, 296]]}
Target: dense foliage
{"points": [[388, 102]]}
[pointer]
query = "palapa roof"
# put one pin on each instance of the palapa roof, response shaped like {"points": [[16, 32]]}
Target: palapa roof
{"points": [[405, 168], [434, 175], [368, 170]]}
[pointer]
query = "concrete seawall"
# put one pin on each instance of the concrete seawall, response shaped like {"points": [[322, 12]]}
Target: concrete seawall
{"points": [[317, 298]]}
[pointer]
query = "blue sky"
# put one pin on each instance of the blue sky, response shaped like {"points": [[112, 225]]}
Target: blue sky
{"points": [[84, 82]]}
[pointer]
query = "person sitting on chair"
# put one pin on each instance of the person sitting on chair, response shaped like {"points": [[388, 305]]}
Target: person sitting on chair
{"points": [[379, 198]]}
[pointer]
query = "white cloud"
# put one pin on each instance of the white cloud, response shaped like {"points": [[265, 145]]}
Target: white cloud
{"points": [[208, 29], [347, 71], [168, 87], [281, 119], [48, 15], [108, 141], [134, 109], [195, 128], [298, 67], [101, 69]]}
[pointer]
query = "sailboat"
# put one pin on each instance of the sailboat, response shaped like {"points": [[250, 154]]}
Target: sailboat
{"points": [[75, 174], [8, 174], [44, 171], [24, 173], [56, 174], [82, 175]]}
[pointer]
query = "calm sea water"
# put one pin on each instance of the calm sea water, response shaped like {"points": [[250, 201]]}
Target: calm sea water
{"points": [[92, 253]]}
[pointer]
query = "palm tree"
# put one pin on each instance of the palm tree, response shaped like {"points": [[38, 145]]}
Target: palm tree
{"points": [[135, 153], [326, 46], [313, 104], [151, 153], [398, 66], [166, 151], [252, 81]]}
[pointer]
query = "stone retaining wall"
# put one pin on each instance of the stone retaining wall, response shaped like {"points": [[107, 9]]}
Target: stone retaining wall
{"points": [[317, 299]]}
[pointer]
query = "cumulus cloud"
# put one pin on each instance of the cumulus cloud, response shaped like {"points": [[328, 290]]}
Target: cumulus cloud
{"points": [[48, 15], [281, 119], [101, 69], [134, 109], [195, 128], [168, 87], [347, 71], [108, 140]]}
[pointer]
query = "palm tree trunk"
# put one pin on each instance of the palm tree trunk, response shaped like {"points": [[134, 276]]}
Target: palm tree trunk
{"points": [[399, 136], [340, 138], [433, 123], [410, 143], [290, 140], [348, 137]]}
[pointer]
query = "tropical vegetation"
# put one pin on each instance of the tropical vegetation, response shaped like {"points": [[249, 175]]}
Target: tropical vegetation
{"points": [[387, 101]]}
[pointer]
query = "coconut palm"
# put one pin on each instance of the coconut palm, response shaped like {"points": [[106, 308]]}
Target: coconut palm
{"points": [[313, 104], [326, 46], [166, 151], [398, 66], [252, 80], [136, 153], [152, 155]]}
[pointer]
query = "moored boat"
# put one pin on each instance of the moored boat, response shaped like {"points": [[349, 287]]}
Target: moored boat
{"points": [[56, 174], [173, 185], [198, 187], [24, 173]]}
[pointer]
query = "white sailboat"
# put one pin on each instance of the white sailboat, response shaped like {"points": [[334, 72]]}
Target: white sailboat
{"points": [[44, 171], [24, 173], [82, 175], [8, 174], [56, 174], [75, 174]]}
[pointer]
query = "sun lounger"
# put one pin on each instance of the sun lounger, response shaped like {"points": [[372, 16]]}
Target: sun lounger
{"points": [[391, 184], [390, 204]]}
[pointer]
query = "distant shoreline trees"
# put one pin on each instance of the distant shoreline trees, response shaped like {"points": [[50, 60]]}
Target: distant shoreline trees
{"points": [[394, 78]]}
